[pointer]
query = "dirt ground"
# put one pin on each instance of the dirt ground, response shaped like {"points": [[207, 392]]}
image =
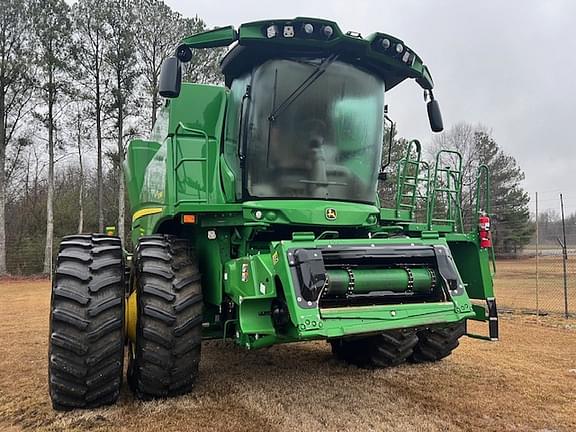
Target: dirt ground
{"points": [[525, 382]]}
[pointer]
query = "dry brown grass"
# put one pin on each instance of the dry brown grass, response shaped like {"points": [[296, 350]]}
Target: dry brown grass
{"points": [[515, 284], [523, 383]]}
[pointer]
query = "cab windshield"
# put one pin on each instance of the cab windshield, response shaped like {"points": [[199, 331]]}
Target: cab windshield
{"points": [[325, 143]]}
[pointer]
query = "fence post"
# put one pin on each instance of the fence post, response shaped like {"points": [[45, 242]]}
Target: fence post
{"points": [[537, 262], [564, 258]]}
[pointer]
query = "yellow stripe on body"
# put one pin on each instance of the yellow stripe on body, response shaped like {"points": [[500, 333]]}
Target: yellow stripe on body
{"points": [[146, 212]]}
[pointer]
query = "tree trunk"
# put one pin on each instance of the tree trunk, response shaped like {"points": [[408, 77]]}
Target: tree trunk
{"points": [[100, 190], [121, 209], [154, 105], [81, 191], [3, 269], [50, 199]]}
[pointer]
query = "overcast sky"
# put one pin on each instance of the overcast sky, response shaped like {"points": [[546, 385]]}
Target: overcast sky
{"points": [[509, 65]]}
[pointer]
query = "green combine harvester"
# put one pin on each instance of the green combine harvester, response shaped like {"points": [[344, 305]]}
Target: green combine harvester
{"points": [[256, 218]]}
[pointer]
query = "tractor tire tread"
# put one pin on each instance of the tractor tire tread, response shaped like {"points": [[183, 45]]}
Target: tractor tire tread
{"points": [[169, 318], [86, 343], [387, 349], [437, 343]]}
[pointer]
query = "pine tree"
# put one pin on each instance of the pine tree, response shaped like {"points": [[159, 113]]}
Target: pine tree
{"points": [[90, 36], [512, 229], [15, 92], [204, 67], [158, 33], [51, 24], [121, 58]]}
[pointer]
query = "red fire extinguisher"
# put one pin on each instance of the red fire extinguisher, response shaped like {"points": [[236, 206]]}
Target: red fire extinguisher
{"points": [[484, 231]]}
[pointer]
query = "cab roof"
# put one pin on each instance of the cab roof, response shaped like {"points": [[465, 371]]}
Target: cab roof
{"points": [[256, 42]]}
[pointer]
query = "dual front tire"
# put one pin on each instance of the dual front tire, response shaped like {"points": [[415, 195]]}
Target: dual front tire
{"points": [[86, 343]]}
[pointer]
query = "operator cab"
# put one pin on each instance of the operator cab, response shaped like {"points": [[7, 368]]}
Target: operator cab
{"points": [[317, 140], [305, 114]]}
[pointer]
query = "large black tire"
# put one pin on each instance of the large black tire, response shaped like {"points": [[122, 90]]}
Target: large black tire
{"points": [[165, 358], [437, 343], [390, 348], [86, 346]]}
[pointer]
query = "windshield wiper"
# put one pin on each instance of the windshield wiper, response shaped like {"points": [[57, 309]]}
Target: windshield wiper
{"points": [[316, 73]]}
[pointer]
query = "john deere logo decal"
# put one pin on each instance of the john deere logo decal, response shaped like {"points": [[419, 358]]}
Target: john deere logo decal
{"points": [[330, 213]]}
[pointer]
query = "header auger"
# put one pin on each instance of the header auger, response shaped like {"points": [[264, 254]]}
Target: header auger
{"points": [[256, 218]]}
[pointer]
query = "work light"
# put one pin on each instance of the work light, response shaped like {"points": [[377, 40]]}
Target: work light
{"points": [[327, 31], [271, 32], [288, 31]]}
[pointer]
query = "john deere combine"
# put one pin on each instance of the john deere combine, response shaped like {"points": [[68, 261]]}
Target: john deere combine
{"points": [[256, 218]]}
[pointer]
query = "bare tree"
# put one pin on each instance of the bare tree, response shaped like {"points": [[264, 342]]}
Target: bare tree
{"points": [[15, 93], [81, 132], [52, 31], [90, 35]]}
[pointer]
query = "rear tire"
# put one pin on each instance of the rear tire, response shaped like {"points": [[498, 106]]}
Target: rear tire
{"points": [[165, 358], [388, 349], [437, 343], [86, 346]]}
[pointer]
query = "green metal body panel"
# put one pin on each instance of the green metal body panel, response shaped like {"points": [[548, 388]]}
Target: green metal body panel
{"points": [[251, 282], [244, 245]]}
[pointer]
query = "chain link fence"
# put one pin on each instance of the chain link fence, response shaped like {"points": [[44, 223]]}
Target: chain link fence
{"points": [[536, 284], [542, 278], [25, 257]]}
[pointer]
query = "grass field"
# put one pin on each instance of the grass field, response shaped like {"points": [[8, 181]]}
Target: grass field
{"points": [[525, 382], [517, 287]]}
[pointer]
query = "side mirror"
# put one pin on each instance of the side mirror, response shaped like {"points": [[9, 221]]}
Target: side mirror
{"points": [[435, 116], [170, 78]]}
